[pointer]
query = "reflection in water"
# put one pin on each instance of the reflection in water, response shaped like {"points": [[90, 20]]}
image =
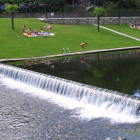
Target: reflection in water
{"points": [[114, 71]]}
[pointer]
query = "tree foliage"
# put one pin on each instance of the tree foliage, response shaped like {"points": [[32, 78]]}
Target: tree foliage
{"points": [[125, 4], [11, 8], [99, 11]]}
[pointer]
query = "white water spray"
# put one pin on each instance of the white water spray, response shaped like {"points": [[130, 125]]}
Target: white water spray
{"points": [[92, 102]]}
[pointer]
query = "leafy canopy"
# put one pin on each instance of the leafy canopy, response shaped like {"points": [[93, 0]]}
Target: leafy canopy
{"points": [[11, 8], [98, 12]]}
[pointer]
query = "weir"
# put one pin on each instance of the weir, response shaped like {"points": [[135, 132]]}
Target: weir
{"points": [[110, 100]]}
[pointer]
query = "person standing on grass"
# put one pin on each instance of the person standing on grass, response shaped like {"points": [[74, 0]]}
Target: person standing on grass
{"points": [[82, 46]]}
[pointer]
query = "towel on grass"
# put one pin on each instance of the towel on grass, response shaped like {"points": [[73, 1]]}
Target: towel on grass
{"points": [[34, 35], [28, 35]]}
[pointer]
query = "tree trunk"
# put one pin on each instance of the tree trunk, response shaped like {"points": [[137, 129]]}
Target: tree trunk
{"points": [[98, 23], [12, 14]]}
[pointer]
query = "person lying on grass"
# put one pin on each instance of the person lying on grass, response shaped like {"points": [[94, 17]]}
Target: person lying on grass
{"points": [[35, 33], [43, 33], [49, 27]]}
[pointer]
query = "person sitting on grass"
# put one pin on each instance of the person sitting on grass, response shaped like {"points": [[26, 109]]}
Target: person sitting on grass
{"points": [[24, 30], [35, 31], [29, 31], [138, 25], [82, 46], [132, 25], [41, 32], [49, 27]]}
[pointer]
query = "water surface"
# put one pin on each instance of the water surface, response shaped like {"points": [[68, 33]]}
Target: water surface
{"points": [[114, 71]]}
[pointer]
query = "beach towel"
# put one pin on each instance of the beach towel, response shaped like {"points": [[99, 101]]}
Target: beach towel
{"points": [[51, 34], [28, 35], [45, 34]]}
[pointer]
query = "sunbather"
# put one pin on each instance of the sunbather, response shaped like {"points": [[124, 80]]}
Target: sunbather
{"points": [[35, 31], [23, 29], [49, 27], [134, 25], [41, 32], [137, 27], [29, 31]]}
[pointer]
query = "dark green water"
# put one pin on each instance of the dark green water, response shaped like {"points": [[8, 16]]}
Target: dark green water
{"points": [[115, 71]]}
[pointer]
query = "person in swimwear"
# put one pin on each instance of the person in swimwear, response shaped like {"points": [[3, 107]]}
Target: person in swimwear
{"points": [[24, 30], [82, 46], [49, 27], [29, 32]]}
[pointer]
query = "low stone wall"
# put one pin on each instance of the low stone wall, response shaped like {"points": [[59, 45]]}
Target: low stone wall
{"points": [[91, 20], [57, 18]]}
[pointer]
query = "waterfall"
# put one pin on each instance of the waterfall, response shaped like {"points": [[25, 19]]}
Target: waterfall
{"points": [[111, 100]]}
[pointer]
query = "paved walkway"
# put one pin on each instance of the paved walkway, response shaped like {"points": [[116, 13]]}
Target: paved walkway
{"points": [[41, 19], [76, 53], [120, 33]]}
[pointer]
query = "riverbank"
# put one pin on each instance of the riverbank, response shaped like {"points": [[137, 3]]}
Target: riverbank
{"points": [[76, 53]]}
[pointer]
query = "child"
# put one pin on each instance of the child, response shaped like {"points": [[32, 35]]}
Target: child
{"points": [[82, 46]]}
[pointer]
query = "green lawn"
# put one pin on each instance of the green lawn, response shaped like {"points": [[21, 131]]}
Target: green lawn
{"points": [[124, 28], [13, 44]]}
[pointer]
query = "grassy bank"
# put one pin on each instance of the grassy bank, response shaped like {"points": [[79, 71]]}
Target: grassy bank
{"points": [[13, 44]]}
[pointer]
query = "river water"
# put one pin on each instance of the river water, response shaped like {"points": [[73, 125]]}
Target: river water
{"points": [[30, 113]]}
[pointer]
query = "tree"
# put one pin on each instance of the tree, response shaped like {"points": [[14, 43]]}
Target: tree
{"points": [[12, 8], [98, 12]]}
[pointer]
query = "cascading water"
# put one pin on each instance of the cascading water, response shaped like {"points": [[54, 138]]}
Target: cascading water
{"points": [[86, 94]]}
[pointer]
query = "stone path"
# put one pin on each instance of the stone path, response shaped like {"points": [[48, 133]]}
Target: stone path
{"points": [[76, 53], [120, 33], [41, 19]]}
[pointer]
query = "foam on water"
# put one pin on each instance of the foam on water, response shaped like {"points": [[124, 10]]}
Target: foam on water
{"points": [[81, 110]]}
